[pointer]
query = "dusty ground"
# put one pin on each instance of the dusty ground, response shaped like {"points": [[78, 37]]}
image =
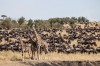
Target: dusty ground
{"points": [[17, 56], [51, 63], [9, 58]]}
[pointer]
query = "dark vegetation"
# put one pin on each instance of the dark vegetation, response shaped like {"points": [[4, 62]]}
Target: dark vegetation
{"points": [[9, 23]]}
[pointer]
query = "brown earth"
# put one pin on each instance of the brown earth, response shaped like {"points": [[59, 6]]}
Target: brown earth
{"points": [[51, 63], [8, 58]]}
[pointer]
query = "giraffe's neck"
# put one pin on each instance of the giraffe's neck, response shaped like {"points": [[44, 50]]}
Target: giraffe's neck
{"points": [[36, 34]]}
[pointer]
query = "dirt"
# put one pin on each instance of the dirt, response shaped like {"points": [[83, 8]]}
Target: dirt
{"points": [[51, 63]]}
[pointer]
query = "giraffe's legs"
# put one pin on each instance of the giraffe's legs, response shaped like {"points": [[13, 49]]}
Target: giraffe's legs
{"points": [[38, 52], [29, 53], [22, 55], [32, 55], [32, 52]]}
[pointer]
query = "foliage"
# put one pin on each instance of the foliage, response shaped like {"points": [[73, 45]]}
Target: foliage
{"points": [[14, 24], [82, 19], [50, 23], [21, 20], [3, 16], [30, 23], [6, 23]]}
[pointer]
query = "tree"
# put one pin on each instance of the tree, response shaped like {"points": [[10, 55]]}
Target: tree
{"points": [[21, 20], [38, 24], [7, 23], [30, 23], [72, 22], [51, 22], [79, 19], [3, 16], [74, 19], [14, 24], [82, 19], [66, 20]]}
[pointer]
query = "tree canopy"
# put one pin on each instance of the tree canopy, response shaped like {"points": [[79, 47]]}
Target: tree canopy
{"points": [[21, 20], [50, 23]]}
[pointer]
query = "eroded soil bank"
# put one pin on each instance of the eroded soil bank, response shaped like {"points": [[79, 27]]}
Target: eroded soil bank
{"points": [[51, 63], [69, 63]]}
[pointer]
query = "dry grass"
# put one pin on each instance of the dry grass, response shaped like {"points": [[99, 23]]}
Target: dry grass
{"points": [[71, 57], [6, 56], [9, 56]]}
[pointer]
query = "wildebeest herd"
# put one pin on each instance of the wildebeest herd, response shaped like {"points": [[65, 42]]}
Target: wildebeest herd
{"points": [[52, 40]]}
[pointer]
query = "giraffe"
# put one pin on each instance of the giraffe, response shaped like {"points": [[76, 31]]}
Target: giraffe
{"points": [[40, 42], [24, 47], [34, 47]]}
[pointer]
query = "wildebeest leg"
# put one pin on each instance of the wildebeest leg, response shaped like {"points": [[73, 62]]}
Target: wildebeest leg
{"points": [[82, 51], [89, 52], [12, 49], [94, 51]]}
